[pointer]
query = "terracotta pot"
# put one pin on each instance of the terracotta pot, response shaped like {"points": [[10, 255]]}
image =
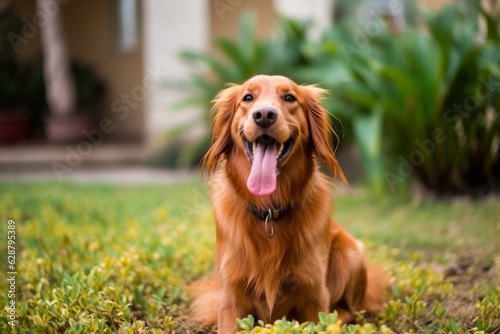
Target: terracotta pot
{"points": [[14, 125], [67, 129]]}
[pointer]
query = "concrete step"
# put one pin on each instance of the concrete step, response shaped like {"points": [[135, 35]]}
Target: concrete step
{"points": [[110, 163]]}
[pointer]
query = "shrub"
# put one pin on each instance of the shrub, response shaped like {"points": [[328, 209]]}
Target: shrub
{"points": [[425, 99]]}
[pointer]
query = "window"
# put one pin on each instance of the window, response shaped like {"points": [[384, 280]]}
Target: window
{"points": [[126, 25]]}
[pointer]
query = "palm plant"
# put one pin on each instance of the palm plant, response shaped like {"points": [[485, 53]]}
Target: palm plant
{"points": [[404, 95]]}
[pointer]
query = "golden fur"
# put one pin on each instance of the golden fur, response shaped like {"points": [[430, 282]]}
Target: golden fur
{"points": [[310, 264]]}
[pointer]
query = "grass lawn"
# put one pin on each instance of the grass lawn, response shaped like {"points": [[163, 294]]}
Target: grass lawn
{"points": [[102, 258]]}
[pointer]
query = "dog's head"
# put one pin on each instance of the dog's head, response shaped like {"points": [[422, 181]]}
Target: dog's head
{"points": [[273, 122]]}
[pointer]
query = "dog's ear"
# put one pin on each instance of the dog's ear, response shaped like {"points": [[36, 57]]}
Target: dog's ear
{"points": [[222, 113], [321, 129]]}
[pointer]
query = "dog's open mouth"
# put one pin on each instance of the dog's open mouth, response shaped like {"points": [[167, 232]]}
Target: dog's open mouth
{"points": [[266, 156]]}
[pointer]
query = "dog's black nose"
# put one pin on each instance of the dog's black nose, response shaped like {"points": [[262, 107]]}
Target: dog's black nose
{"points": [[265, 116]]}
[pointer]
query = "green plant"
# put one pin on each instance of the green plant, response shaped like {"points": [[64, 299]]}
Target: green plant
{"points": [[89, 87], [35, 87], [413, 98], [12, 75], [489, 312]]}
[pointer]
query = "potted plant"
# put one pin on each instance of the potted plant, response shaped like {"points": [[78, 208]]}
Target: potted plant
{"points": [[15, 120]]}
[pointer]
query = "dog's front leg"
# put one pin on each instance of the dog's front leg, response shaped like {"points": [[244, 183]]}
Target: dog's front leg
{"points": [[313, 301], [234, 304]]}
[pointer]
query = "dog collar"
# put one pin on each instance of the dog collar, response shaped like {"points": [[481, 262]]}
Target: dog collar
{"points": [[270, 213], [268, 216]]}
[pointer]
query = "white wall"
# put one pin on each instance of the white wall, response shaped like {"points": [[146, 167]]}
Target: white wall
{"points": [[169, 27], [321, 11]]}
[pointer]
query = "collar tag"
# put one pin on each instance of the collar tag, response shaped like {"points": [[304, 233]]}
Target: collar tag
{"points": [[269, 225]]}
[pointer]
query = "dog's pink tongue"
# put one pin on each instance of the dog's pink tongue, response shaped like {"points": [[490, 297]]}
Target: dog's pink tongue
{"points": [[262, 179]]}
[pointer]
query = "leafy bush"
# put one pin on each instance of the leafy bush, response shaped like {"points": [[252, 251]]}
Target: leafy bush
{"points": [[427, 99], [12, 75], [89, 87]]}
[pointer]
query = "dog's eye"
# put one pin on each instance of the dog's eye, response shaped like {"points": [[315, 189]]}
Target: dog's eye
{"points": [[248, 98], [290, 98]]}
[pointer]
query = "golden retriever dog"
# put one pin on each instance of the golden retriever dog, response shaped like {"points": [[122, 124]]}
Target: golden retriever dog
{"points": [[278, 253]]}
